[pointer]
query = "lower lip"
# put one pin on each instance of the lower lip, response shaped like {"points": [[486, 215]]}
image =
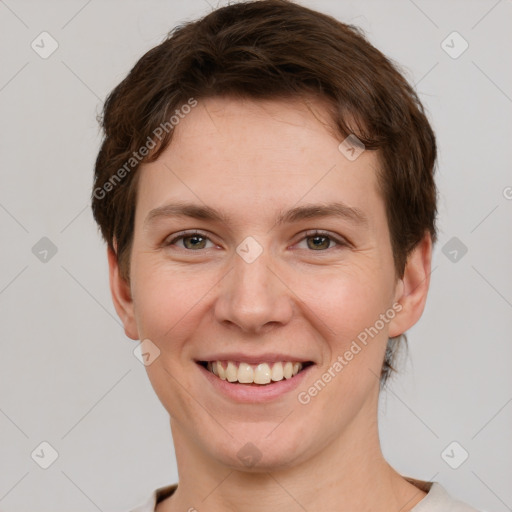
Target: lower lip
{"points": [[245, 393]]}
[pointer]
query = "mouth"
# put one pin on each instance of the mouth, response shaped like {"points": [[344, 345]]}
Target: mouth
{"points": [[261, 374]]}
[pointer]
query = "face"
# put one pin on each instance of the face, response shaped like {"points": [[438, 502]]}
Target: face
{"points": [[258, 241]]}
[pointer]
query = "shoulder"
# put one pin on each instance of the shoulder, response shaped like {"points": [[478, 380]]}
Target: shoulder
{"points": [[438, 500], [156, 497]]}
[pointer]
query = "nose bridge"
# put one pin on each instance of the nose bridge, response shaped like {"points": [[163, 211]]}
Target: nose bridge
{"points": [[252, 295]]}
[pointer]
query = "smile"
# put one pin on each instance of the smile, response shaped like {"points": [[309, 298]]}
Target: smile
{"points": [[259, 374]]}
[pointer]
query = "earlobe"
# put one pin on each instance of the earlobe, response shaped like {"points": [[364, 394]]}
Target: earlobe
{"points": [[412, 289], [121, 296]]}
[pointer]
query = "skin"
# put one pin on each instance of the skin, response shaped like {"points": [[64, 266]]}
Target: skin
{"points": [[252, 160]]}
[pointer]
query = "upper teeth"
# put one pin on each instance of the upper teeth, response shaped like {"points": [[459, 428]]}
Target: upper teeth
{"points": [[261, 373]]}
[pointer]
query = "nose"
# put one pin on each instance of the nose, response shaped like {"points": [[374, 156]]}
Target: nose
{"points": [[253, 297]]}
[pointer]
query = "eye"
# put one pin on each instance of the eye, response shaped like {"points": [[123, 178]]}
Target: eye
{"points": [[321, 240], [191, 241], [315, 240]]}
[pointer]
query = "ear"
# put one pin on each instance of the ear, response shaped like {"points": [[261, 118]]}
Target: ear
{"points": [[412, 289], [121, 296]]}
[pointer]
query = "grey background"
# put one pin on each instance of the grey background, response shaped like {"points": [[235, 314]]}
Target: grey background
{"points": [[68, 375]]}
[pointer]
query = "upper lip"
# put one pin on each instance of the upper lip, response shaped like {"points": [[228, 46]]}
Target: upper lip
{"points": [[254, 359]]}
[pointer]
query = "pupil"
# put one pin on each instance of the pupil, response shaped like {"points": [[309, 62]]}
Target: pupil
{"points": [[320, 245], [194, 244]]}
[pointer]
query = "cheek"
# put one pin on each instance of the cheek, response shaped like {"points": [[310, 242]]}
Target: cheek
{"points": [[344, 302], [167, 301]]}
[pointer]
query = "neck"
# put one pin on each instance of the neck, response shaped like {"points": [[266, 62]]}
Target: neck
{"points": [[348, 473]]}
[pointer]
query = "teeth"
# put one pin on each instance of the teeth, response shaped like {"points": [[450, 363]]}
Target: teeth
{"points": [[245, 373], [220, 371], [231, 371], [277, 371], [262, 373], [288, 370]]}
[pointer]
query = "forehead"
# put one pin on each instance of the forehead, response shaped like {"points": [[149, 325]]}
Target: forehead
{"points": [[237, 128], [245, 156]]}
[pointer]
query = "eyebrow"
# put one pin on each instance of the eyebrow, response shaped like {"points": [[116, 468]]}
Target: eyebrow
{"points": [[309, 211]]}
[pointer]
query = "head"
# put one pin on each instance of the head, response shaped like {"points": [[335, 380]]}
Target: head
{"points": [[240, 115]]}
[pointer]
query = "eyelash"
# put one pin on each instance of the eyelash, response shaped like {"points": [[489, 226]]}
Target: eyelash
{"points": [[341, 242]]}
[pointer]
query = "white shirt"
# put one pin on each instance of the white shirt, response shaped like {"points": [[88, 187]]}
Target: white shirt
{"points": [[436, 500]]}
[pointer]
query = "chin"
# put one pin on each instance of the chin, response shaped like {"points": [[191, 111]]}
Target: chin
{"points": [[259, 452]]}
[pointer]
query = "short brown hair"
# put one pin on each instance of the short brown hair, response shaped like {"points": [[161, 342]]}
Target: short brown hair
{"points": [[271, 49]]}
